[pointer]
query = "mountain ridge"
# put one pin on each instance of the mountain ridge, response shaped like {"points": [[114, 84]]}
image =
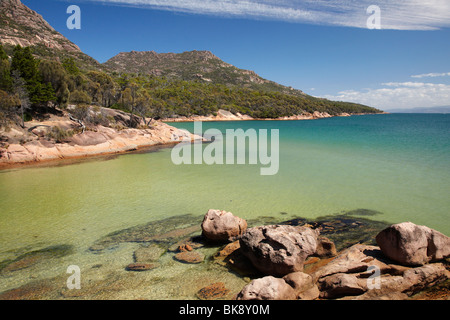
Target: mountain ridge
{"points": [[164, 84], [17, 19], [192, 65], [20, 25]]}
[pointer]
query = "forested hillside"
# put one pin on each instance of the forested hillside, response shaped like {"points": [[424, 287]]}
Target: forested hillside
{"points": [[43, 72], [29, 84]]}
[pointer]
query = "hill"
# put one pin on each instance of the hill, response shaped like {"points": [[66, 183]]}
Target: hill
{"points": [[192, 66], [52, 72], [19, 25], [199, 83]]}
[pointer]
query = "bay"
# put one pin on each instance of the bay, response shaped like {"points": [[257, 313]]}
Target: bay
{"points": [[394, 167]]}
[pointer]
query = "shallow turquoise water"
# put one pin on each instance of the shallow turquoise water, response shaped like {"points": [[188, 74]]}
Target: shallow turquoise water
{"points": [[395, 164]]}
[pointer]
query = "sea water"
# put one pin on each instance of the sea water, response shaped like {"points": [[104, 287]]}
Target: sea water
{"points": [[394, 165]]}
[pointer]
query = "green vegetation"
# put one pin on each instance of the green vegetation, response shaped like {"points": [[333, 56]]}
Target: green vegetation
{"points": [[191, 66], [40, 90], [196, 98], [59, 135], [28, 83]]}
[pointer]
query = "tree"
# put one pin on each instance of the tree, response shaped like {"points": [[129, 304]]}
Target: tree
{"points": [[24, 62], [79, 114], [158, 110], [22, 93], [103, 87], [79, 96], [109, 94], [70, 66], [94, 90], [3, 54], [8, 107], [143, 105], [27, 67], [5, 71], [122, 81], [54, 73], [129, 98], [47, 94]]}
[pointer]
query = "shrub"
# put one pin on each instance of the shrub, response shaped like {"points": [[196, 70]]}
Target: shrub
{"points": [[59, 135], [79, 96]]}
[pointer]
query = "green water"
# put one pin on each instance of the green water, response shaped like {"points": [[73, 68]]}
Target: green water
{"points": [[397, 165]]}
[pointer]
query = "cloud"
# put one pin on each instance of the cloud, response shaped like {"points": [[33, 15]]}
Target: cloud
{"points": [[398, 15], [398, 95], [432, 75], [409, 84]]}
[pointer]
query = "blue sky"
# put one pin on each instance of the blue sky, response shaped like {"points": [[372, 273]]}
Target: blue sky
{"points": [[321, 47]]}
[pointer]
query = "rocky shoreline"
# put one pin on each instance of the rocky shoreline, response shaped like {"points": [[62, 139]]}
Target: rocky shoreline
{"points": [[223, 115], [33, 145], [408, 259], [224, 257]]}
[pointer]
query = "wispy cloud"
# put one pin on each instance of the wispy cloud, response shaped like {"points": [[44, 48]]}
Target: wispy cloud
{"points": [[410, 84], [431, 75], [399, 15], [399, 95]]}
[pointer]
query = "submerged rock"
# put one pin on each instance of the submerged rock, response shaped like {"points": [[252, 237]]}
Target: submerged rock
{"points": [[194, 242], [32, 258], [363, 212], [33, 290], [347, 229], [149, 253], [213, 291], [141, 266], [164, 232], [231, 256], [190, 257]]}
